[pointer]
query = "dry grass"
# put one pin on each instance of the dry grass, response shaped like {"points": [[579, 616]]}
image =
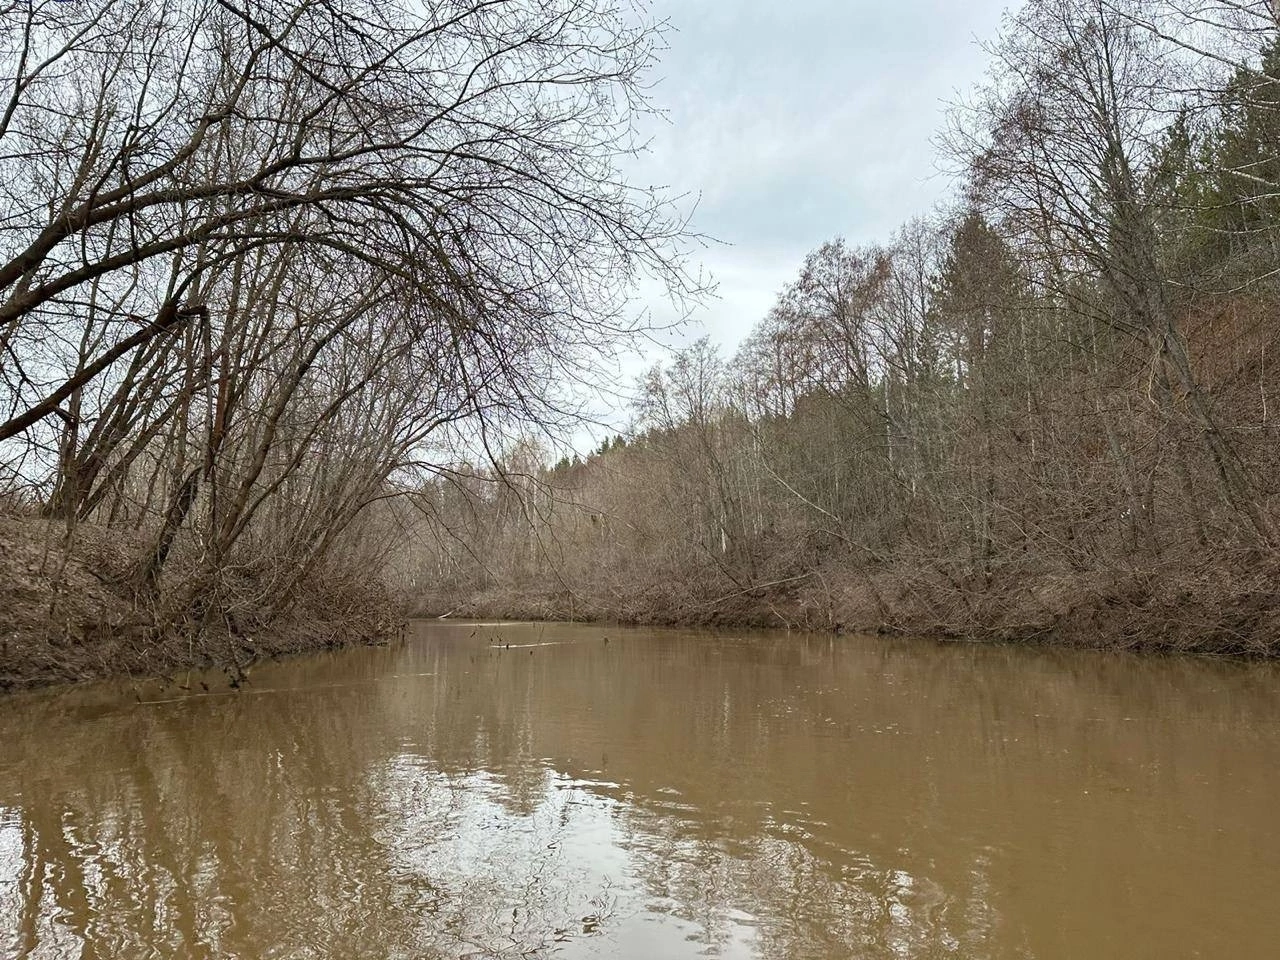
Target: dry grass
{"points": [[68, 613], [1228, 609]]}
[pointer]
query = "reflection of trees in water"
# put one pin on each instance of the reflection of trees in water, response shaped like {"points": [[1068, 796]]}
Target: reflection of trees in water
{"points": [[255, 826], [504, 881], [797, 799], [732, 855], [904, 797], [789, 893], [195, 827]]}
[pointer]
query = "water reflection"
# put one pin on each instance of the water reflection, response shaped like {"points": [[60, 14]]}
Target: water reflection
{"points": [[660, 795]]}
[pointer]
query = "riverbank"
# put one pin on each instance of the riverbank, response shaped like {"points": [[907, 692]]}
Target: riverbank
{"points": [[69, 613], [1220, 611]]}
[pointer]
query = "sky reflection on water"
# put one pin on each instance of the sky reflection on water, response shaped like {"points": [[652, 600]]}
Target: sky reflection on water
{"points": [[665, 794]]}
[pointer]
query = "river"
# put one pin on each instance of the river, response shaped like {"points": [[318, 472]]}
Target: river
{"points": [[549, 790]]}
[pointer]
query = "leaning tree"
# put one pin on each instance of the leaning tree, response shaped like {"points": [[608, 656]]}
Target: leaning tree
{"points": [[256, 254]]}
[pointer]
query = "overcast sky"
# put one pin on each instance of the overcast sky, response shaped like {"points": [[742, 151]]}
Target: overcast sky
{"points": [[803, 120]]}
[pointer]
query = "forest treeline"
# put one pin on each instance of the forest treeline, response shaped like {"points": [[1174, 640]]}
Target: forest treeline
{"points": [[1047, 412], [281, 281], [261, 258]]}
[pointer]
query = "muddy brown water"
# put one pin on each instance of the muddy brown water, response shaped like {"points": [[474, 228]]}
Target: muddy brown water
{"points": [[664, 794]]}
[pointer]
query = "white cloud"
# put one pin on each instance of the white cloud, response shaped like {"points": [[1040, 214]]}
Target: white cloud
{"points": [[796, 122]]}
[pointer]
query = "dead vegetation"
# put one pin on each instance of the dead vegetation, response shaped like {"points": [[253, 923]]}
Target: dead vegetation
{"points": [[71, 612], [1213, 613], [1046, 414], [263, 265]]}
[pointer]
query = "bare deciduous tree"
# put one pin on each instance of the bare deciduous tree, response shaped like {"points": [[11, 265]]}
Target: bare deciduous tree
{"points": [[257, 256]]}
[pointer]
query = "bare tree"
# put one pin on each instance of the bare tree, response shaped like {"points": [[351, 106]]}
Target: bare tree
{"points": [[1061, 143], [256, 257]]}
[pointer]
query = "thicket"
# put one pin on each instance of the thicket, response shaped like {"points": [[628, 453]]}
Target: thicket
{"points": [[1048, 412], [262, 264]]}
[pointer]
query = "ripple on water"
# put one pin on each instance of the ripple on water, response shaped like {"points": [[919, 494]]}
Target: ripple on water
{"points": [[670, 795]]}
